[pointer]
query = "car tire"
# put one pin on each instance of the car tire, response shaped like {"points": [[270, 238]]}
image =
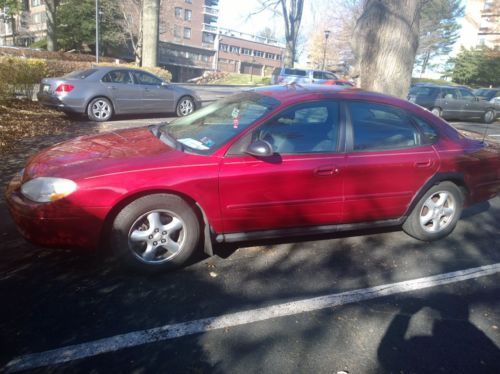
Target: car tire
{"points": [[100, 109], [185, 106], [437, 111], [489, 116], [436, 214], [140, 228]]}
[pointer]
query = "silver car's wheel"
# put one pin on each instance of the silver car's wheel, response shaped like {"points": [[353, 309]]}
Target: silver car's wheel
{"points": [[100, 109], [155, 232], [437, 212], [489, 116], [157, 236], [436, 112], [185, 106]]}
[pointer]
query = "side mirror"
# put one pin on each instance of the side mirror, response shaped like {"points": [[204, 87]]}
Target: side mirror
{"points": [[260, 148]]}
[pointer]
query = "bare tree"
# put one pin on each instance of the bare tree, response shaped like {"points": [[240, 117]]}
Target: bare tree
{"points": [[131, 24], [385, 43], [291, 12], [150, 32]]}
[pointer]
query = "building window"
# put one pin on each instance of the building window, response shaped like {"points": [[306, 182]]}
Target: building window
{"points": [[258, 53], [36, 2], [246, 51], [178, 13], [187, 15], [207, 37], [37, 18], [187, 33], [204, 58], [234, 49], [177, 31], [270, 56], [189, 1], [278, 57], [224, 47]]}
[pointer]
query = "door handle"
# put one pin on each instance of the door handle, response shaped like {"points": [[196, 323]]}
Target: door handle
{"points": [[112, 87], [326, 170], [423, 164]]}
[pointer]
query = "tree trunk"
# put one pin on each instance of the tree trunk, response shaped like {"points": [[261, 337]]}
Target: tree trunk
{"points": [[50, 6], [385, 43], [150, 32]]}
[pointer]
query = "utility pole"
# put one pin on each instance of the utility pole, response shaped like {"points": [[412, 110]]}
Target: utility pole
{"points": [[97, 31], [327, 34]]}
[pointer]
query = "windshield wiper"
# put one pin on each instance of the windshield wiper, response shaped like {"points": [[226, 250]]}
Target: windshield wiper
{"points": [[162, 133]]}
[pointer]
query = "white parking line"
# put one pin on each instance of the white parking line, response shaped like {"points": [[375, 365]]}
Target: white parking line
{"points": [[494, 135], [137, 338]]}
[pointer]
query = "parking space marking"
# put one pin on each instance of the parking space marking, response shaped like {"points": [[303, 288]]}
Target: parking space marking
{"points": [[137, 338]]}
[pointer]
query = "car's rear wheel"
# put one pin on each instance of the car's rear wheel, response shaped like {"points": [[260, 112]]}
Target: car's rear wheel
{"points": [[155, 232], [100, 109], [185, 106], [489, 116], [436, 214], [436, 111]]}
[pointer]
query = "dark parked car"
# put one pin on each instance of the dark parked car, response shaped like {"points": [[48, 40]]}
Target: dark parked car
{"points": [[489, 94], [277, 161], [452, 102], [102, 92], [301, 76]]}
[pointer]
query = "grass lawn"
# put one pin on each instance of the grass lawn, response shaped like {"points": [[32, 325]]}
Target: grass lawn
{"points": [[243, 79]]}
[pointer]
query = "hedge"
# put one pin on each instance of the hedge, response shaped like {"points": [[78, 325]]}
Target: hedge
{"points": [[19, 76]]}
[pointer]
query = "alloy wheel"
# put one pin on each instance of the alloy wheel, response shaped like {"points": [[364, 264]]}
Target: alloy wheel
{"points": [[438, 212], [101, 109], [186, 107]]}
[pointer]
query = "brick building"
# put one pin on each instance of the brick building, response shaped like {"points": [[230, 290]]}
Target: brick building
{"points": [[481, 24], [27, 27]]}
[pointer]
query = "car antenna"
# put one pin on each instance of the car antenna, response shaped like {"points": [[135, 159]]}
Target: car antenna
{"points": [[486, 131]]}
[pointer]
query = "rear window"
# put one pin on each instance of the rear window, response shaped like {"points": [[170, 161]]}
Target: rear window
{"points": [[81, 74], [299, 72]]}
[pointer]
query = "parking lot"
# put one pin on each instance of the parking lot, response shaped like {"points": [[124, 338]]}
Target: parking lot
{"points": [[359, 302]]}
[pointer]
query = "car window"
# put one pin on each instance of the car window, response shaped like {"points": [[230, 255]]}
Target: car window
{"points": [[427, 129], [423, 91], [81, 74], [318, 75], [207, 129], [145, 78], [117, 76], [329, 75], [381, 127], [449, 94], [307, 128], [466, 94], [299, 72]]}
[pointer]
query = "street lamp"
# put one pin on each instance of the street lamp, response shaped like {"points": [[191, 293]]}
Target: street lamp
{"points": [[327, 35], [97, 31]]}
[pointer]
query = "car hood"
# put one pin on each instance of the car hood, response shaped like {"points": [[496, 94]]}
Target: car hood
{"points": [[88, 153]]}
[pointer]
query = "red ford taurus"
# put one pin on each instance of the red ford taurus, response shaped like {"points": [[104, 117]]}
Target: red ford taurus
{"points": [[272, 162]]}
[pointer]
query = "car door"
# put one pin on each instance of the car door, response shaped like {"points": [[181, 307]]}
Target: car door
{"points": [[450, 103], [157, 97], [388, 160], [471, 106], [300, 185], [126, 96]]}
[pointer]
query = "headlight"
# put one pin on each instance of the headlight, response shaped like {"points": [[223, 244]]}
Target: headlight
{"points": [[44, 189]]}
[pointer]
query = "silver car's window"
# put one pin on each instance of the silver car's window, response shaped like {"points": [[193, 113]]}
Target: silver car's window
{"points": [[81, 74], [145, 78], [118, 76]]}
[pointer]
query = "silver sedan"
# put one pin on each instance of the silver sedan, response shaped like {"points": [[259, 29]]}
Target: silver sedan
{"points": [[102, 92]]}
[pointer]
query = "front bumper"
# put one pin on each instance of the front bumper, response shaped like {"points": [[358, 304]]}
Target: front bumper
{"points": [[56, 225]]}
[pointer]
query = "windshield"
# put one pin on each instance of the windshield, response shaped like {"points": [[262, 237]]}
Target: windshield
{"points": [[209, 128]]}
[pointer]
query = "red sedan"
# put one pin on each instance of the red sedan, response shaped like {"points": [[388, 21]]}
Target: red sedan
{"points": [[273, 162]]}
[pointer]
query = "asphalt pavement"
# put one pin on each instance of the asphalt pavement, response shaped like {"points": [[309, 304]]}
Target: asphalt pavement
{"points": [[373, 301]]}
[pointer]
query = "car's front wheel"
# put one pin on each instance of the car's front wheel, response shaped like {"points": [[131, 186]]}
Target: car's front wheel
{"points": [[155, 232], [185, 106], [489, 116], [100, 109], [436, 214]]}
